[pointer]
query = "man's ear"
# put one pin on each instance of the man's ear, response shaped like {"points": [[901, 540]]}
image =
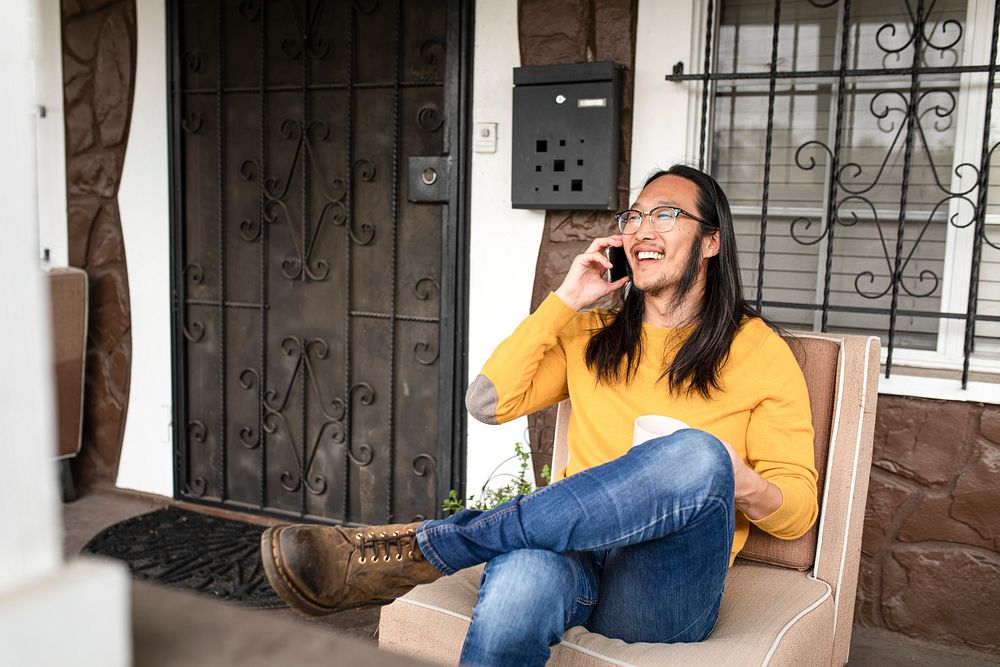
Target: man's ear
{"points": [[710, 245]]}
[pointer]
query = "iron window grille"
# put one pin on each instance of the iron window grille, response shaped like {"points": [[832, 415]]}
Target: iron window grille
{"points": [[906, 85]]}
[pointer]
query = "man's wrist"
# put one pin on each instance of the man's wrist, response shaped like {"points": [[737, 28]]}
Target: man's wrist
{"points": [[567, 298], [755, 496]]}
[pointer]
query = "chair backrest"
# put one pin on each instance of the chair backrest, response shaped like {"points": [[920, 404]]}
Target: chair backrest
{"points": [[68, 291], [841, 374], [819, 359]]}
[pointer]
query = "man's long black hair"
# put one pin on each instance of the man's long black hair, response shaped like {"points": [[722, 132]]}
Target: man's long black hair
{"points": [[614, 351]]}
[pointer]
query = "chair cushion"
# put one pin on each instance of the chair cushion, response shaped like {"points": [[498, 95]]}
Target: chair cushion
{"points": [[768, 614], [818, 358]]}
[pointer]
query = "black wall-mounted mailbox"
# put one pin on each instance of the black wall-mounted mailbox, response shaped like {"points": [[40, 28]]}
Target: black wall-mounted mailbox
{"points": [[565, 136]]}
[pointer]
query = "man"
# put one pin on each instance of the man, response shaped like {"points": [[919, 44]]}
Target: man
{"points": [[633, 543]]}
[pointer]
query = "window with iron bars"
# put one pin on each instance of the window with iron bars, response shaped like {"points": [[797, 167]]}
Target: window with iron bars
{"points": [[850, 139]]}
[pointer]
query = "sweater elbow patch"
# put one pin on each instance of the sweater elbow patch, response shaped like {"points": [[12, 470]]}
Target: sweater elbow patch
{"points": [[481, 400]]}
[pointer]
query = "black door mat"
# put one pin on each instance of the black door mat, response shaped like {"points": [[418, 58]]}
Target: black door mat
{"points": [[206, 554]]}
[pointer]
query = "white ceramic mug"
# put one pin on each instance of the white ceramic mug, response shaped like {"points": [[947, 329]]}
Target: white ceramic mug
{"points": [[648, 427]]}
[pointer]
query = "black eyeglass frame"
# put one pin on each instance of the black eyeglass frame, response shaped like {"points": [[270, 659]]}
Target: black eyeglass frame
{"points": [[677, 212]]}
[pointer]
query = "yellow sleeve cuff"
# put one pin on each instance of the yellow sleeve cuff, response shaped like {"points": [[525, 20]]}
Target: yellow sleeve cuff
{"points": [[553, 314], [796, 514]]}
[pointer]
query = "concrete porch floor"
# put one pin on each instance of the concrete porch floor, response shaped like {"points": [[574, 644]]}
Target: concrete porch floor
{"points": [[100, 509]]}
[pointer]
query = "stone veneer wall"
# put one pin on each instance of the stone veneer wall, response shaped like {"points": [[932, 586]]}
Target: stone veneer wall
{"points": [[585, 31], [930, 564], [98, 46]]}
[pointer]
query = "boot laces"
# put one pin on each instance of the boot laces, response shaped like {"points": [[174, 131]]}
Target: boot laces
{"points": [[380, 541]]}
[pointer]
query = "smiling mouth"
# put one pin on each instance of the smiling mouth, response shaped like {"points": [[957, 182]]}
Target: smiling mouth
{"points": [[648, 255]]}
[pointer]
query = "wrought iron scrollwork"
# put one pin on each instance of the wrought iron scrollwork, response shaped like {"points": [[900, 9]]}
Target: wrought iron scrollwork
{"points": [[191, 61], [196, 432], [196, 272], [302, 266], [308, 42], [196, 332], [423, 464], [429, 117], [989, 159], [365, 6], [197, 486], [431, 50], [421, 349], [275, 405], [852, 185], [365, 395], [192, 122], [250, 9], [250, 229], [425, 287]]}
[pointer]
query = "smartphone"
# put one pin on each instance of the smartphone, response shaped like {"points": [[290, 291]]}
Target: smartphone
{"points": [[619, 263]]}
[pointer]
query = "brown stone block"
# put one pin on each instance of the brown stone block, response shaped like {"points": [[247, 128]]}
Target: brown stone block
{"points": [[94, 174], [615, 39], [103, 420], [94, 5], [106, 243], [547, 42], [542, 429], [109, 308], [943, 595], [989, 423], [977, 494], [920, 439], [886, 496], [119, 370], [71, 8], [577, 226], [867, 607], [113, 76], [80, 35], [79, 128], [932, 521], [77, 77], [554, 262], [81, 216]]}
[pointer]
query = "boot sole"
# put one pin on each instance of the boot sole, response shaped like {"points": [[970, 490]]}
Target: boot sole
{"points": [[277, 575]]}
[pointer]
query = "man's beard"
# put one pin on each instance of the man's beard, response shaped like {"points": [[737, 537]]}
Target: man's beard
{"points": [[683, 285]]}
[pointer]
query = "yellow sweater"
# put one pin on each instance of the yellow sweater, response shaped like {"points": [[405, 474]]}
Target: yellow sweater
{"points": [[762, 410]]}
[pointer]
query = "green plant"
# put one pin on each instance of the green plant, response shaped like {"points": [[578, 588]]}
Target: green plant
{"points": [[490, 497]]}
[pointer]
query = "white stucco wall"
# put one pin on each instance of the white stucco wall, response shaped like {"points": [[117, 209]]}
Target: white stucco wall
{"points": [[144, 205], [660, 110], [50, 137], [51, 613], [32, 526], [504, 241]]}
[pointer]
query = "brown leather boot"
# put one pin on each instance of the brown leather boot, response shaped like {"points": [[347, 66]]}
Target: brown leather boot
{"points": [[323, 569]]}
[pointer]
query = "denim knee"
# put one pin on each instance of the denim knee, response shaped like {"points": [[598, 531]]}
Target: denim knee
{"points": [[703, 457], [526, 598]]}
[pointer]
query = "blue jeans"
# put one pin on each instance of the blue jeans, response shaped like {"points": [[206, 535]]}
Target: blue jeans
{"points": [[636, 549]]}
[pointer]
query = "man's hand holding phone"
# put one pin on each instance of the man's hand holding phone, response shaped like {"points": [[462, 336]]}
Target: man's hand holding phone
{"points": [[585, 283]]}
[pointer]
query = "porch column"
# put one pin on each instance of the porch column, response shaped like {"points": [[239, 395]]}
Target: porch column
{"points": [[51, 612]]}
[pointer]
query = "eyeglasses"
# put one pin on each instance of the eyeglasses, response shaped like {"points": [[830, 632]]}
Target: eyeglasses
{"points": [[661, 218]]}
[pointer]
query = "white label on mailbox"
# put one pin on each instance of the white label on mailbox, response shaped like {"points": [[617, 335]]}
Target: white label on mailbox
{"points": [[591, 102]]}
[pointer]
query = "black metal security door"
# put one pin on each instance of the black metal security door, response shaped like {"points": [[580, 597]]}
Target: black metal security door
{"points": [[318, 336]]}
